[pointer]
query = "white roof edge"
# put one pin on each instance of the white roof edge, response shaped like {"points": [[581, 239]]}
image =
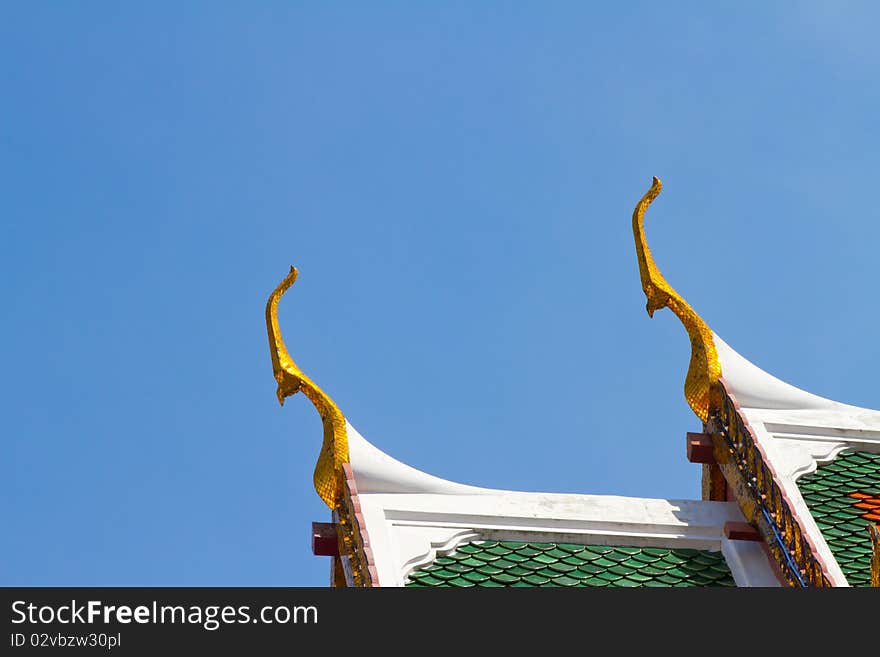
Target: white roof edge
{"points": [[376, 472], [755, 388]]}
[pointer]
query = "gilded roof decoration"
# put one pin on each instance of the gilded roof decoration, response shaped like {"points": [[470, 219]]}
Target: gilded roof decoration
{"points": [[705, 367], [291, 379]]}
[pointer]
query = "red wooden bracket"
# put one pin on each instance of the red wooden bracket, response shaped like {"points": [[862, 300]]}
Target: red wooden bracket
{"points": [[324, 543], [699, 448], [741, 531]]}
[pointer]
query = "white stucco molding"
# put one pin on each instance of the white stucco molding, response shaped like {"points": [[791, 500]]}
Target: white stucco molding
{"points": [[748, 563], [419, 545], [410, 530]]}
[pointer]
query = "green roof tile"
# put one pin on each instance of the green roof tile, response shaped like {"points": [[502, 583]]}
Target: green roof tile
{"points": [[531, 566], [573, 560], [656, 552], [487, 557], [489, 570], [570, 565], [562, 567], [519, 571], [505, 579], [828, 493], [444, 574], [516, 557], [499, 551], [596, 582], [545, 559], [458, 568], [586, 571], [620, 569], [563, 580], [556, 554], [473, 563], [652, 571], [645, 558], [704, 560], [632, 564], [460, 582]]}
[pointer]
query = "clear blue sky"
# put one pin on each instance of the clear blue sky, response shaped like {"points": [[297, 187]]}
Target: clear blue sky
{"points": [[455, 183]]}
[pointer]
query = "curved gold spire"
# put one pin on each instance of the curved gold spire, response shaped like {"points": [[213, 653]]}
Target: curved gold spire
{"points": [[291, 379], [705, 368]]}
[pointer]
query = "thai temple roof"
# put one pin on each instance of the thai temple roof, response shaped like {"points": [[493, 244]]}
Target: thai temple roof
{"points": [[791, 491]]}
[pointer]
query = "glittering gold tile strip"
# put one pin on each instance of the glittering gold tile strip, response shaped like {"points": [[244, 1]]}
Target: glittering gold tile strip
{"points": [[351, 544]]}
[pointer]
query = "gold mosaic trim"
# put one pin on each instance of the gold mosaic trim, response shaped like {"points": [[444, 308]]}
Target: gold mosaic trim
{"points": [[705, 368], [291, 379], [760, 496], [875, 555], [354, 543]]}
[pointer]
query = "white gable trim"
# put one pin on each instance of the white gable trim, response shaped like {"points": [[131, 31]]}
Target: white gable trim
{"points": [[410, 530]]}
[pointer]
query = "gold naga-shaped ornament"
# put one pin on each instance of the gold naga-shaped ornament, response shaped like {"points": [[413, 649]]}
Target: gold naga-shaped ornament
{"points": [[291, 379], [705, 368]]}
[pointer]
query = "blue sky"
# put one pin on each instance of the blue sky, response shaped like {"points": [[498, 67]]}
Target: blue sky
{"points": [[455, 182]]}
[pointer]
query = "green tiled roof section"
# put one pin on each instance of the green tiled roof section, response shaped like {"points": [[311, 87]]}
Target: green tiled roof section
{"points": [[511, 563], [827, 492]]}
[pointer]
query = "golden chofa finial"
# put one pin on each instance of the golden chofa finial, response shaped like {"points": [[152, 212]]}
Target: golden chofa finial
{"points": [[291, 379], [705, 368]]}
